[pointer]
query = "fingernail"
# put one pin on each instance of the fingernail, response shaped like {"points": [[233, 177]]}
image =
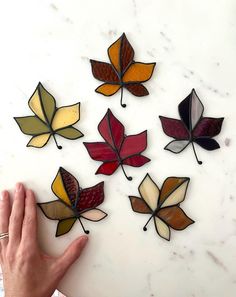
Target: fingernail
{"points": [[3, 196], [83, 240], [18, 187]]}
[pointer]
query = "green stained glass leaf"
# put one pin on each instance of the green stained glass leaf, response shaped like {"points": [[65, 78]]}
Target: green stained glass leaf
{"points": [[49, 120], [70, 133], [64, 226], [32, 125]]}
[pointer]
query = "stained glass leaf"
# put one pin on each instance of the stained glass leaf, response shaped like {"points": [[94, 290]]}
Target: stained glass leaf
{"points": [[175, 217], [192, 128], [39, 141], [207, 144], [32, 125], [123, 72], [74, 202], [64, 226], [56, 210], [177, 146], [118, 148], [173, 191], [139, 205], [43, 104], [163, 205], [94, 215], [149, 191], [70, 133], [162, 228], [49, 120], [91, 197]]}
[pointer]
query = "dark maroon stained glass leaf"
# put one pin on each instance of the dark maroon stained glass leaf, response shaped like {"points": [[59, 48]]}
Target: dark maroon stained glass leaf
{"points": [[192, 128]]}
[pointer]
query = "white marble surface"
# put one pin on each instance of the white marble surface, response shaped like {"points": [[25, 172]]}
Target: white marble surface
{"points": [[194, 45]]}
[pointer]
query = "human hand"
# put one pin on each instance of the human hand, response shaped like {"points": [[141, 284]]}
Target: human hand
{"points": [[28, 271]]}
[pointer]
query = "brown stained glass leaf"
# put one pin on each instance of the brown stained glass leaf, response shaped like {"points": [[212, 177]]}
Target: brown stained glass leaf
{"points": [[123, 72], [139, 205], [163, 205], [174, 217]]}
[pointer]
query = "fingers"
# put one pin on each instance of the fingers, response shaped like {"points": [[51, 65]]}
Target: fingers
{"points": [[71, 254], [5, 210], [29, 229], [17, 215]]}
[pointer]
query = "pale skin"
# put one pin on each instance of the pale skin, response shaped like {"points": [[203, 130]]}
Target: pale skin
{"points": [[27, 270]]}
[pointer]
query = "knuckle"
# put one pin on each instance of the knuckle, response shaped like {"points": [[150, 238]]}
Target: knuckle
{"points": [[28, 220], [14, 219], [10, 257]]}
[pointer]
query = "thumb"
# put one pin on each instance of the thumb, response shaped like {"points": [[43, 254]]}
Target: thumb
{"points": [[72, 253]]}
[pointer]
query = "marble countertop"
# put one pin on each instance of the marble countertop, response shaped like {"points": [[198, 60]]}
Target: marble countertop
{"points": [[194, 45]]}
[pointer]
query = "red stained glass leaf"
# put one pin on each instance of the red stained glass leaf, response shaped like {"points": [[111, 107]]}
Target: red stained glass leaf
{"points": [[192, 128], [120, 149], [134, 144]]}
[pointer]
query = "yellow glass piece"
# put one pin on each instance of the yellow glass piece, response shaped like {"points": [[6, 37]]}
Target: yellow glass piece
{"points": [[162, 228], [149, 191], [39, 141], [177, 196], [35, 105], [59, 190], [138, 72], [66, 116], [114, 54], [108, 89]]}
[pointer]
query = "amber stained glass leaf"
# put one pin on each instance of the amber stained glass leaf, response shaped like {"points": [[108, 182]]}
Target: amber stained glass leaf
{"points": [[122, 72]]}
